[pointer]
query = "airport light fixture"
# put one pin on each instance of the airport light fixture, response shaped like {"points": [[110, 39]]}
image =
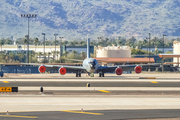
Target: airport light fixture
{"points": [[55, 42], [98, 39], [28, 16], [44, 47], [163, 43]]}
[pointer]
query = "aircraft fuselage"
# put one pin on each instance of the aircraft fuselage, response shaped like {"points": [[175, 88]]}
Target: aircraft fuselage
{"points": [[90, 64]]}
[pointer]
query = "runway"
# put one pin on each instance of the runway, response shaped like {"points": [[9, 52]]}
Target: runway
{"points": [[109, 98], [102, 83], [166, 114], [78, 87]]}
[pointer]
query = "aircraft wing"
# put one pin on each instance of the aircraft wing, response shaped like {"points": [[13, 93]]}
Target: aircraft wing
{"points": [[58, 66], [112, 68], [124, 67]]}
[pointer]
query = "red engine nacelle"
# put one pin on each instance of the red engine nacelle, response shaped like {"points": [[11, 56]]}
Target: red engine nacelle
{"points": [[119, 71], [42, 69], [62, 71], [138, 69]]}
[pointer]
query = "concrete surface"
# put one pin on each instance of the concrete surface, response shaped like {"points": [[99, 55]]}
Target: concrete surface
{"points": [[72, 75], [55, 103], [102, 83], [102, 88]]}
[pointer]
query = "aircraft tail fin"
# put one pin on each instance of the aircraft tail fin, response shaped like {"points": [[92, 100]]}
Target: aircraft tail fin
{"points": [[88, 47]]}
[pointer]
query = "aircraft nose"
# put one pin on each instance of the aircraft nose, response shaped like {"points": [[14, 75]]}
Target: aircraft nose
{"points": [[92, 66]]}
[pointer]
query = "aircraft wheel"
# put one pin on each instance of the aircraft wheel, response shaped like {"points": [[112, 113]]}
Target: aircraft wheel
{"points": [[76, 74], [102, 74], [99, 74], [79, 74]]}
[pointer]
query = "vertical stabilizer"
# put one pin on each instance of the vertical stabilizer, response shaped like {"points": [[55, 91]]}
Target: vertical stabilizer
{"points": [[88, 47]]}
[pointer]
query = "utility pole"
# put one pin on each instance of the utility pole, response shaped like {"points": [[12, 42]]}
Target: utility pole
{"points": [[60, 46], [44, 47], [55, 43], [28, 16], [149, 50], [147, 47], [163, 43]]}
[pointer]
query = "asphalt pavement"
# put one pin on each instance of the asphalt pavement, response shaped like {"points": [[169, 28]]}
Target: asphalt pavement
{"points": [[152, 83], [162, 98], [165, 114]]}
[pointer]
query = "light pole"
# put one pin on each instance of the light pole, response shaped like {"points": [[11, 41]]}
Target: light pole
{"points": [[44, 46], [147, 46], [163, 43], [149, 49], [55, 43], [28, 16], [60, 46]]}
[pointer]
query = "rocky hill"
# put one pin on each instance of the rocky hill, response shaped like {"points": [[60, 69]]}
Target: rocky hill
{"points": [[73, 19]]}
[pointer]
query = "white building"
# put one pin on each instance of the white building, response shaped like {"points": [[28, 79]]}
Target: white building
{"points": [[113, 52], [31, 47], [176, 50]]}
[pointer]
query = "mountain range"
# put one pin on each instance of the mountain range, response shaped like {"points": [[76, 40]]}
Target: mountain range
{"points": [[75, 19]]}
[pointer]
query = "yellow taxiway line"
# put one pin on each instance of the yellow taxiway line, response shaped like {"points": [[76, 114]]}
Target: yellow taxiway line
{"points": [[5, 82], [154, 82], [18, 116], [104, 91], [82, 112]]}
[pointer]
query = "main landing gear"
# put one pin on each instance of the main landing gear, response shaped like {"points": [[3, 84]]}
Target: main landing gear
{"points": [[101, 74], [78, 74]]}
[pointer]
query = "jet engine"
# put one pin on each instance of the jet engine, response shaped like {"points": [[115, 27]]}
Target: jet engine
{"points": [[62, 71], [42, 69], [119, 71], [138, 69]]}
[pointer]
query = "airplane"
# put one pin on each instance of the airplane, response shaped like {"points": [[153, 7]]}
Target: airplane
{"points": [[90, 65]]}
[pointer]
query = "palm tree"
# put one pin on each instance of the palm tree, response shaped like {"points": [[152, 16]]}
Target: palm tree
{"points": [[54, 53], [82, 43], [39, 55], [2, 57], [1, 43], [32, 54], [36, 41], [49, 53], [57, 53], [72, 43], [74, 52], [7, 58], [11, 56], [21, 56], [83, 54], [25, 42], [65, 53]]}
